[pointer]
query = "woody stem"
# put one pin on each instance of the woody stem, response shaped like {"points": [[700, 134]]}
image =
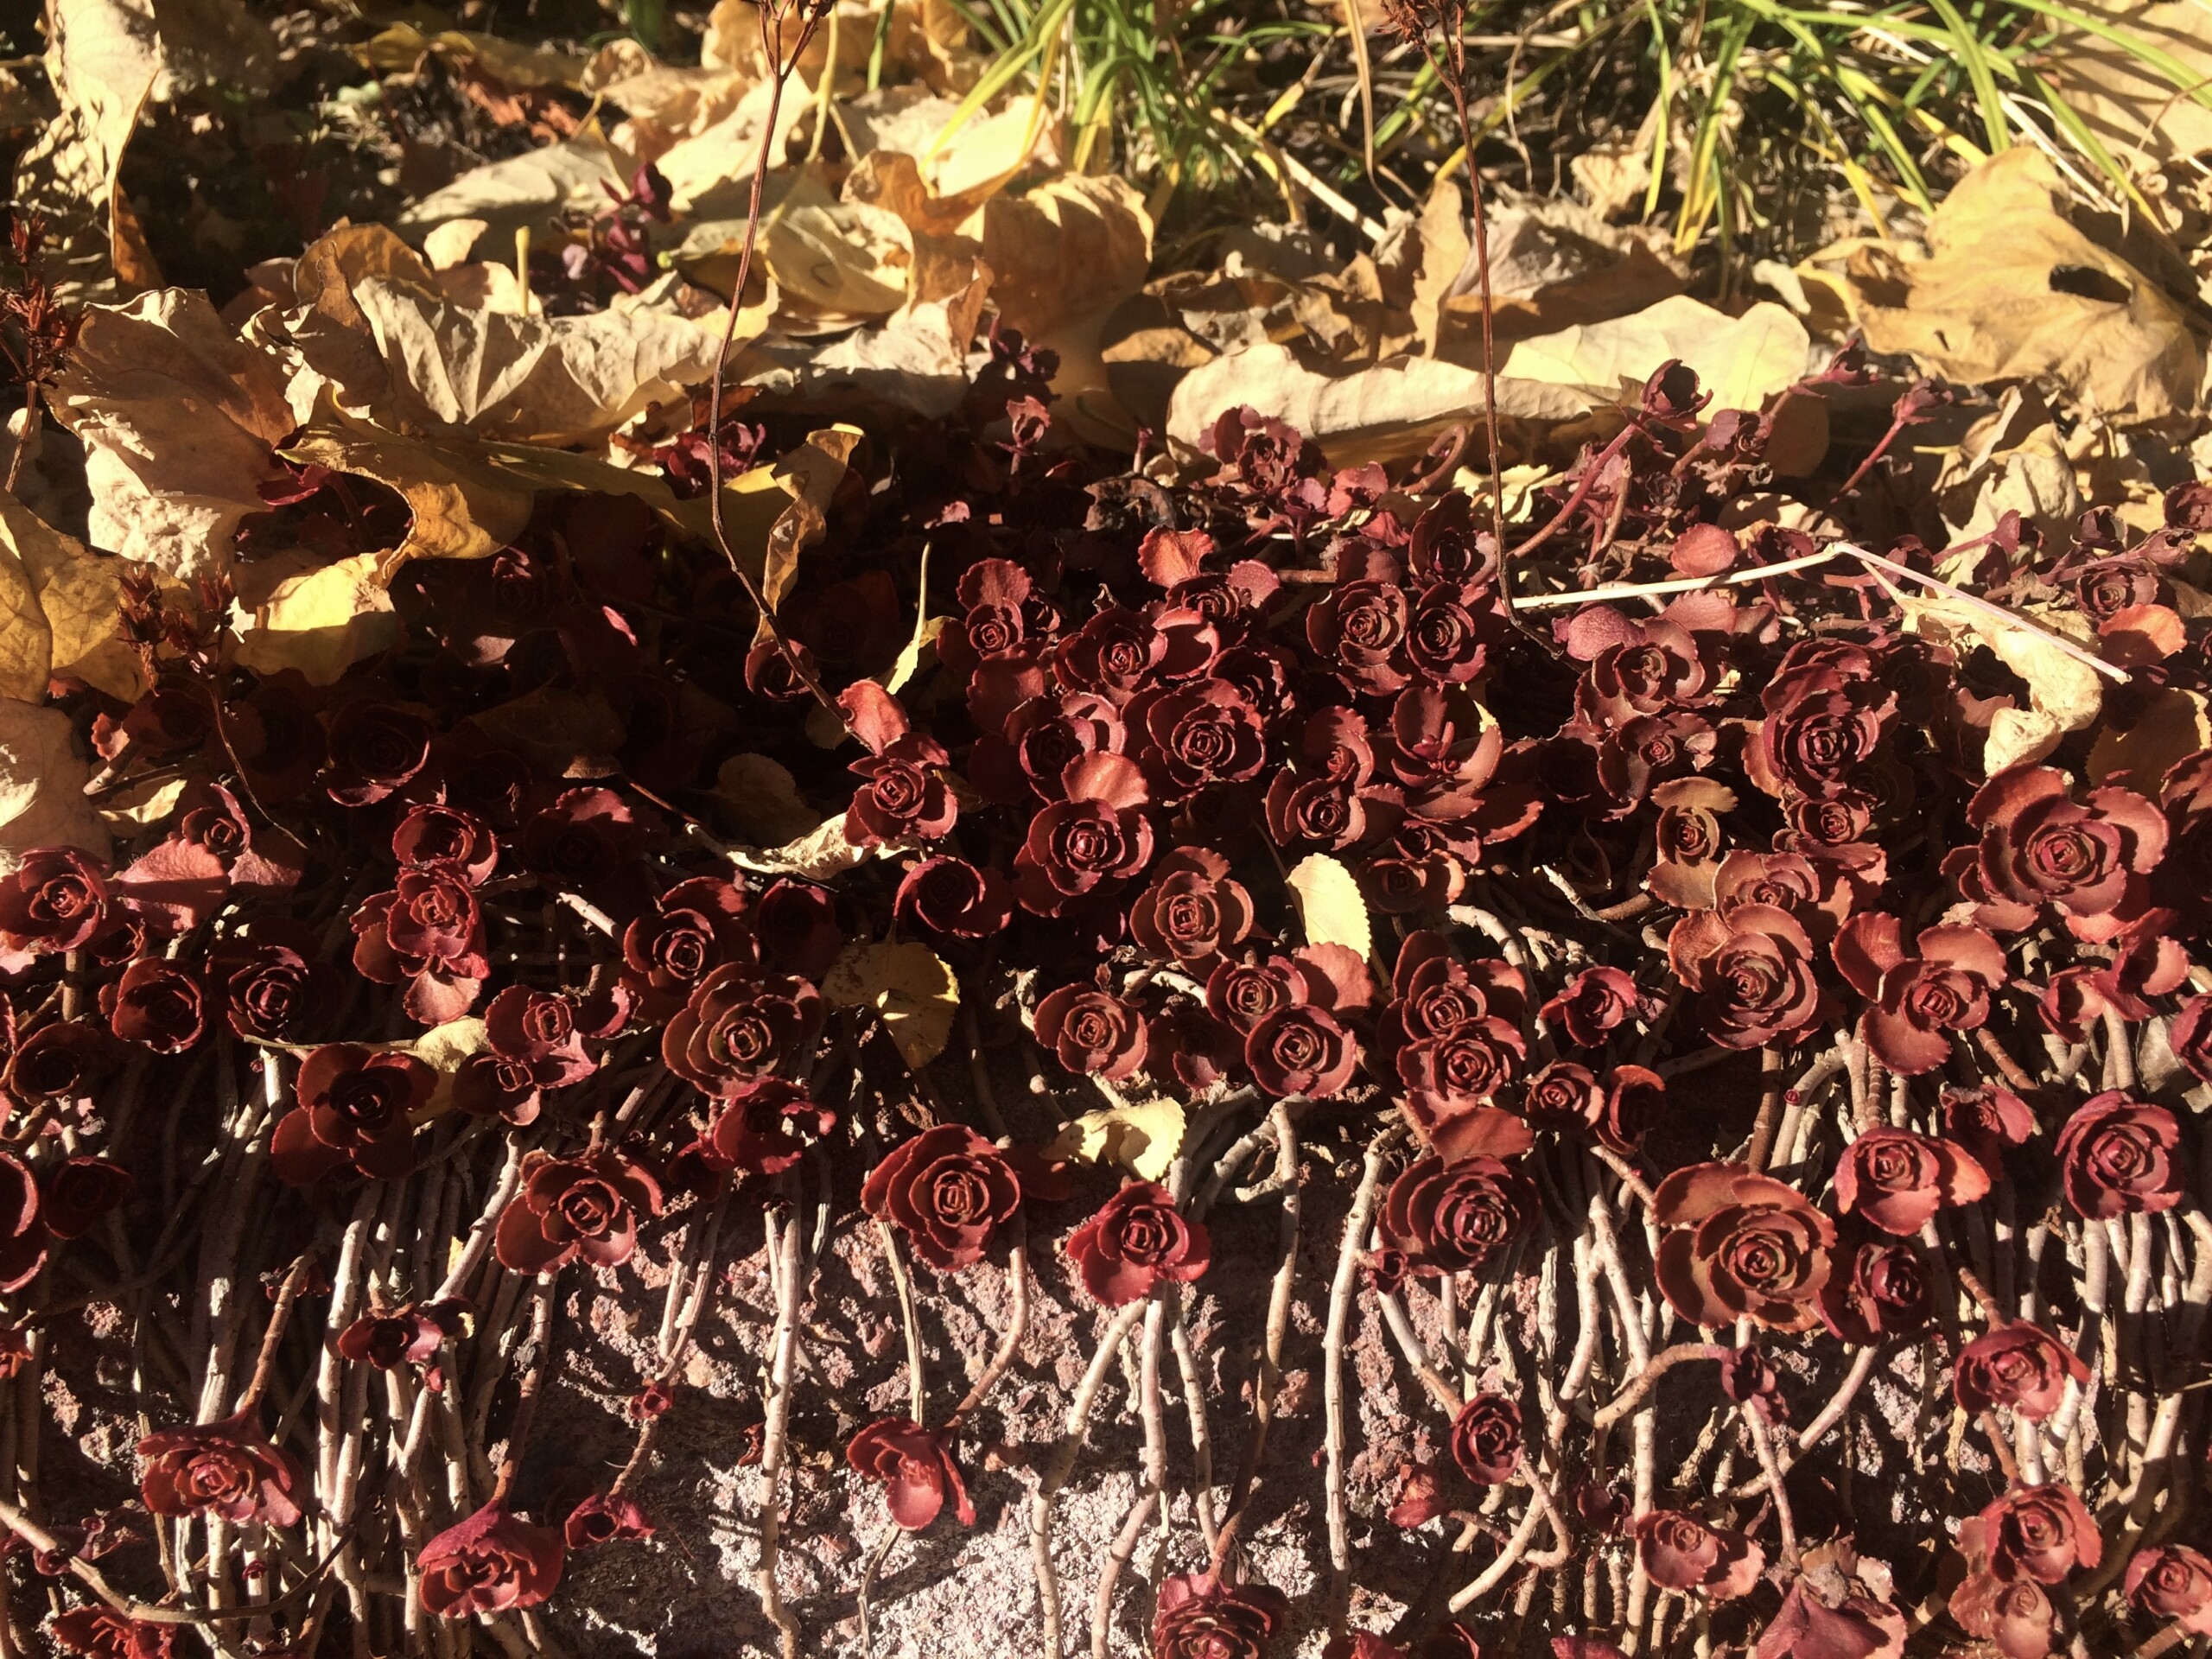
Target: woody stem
{"points": [[541, 1344]]}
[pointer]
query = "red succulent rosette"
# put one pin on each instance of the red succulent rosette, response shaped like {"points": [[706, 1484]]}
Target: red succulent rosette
{"points": [[2042, 1533], [79, 1191], [537, 1029], [765, 1128], [585, 1207], [1897, 1180], [356, 1107], [1986, 1120], [374, 746], [2019, 1366], [1635, 1099], [1204, 732], [2087, 859], [55, 900], [1683, 1552], [1193, 910], [601, 1519], [740, 1025], [2014, 1614], [1201, 1617], [271, 990], [2190, 1037], [1563, 1096], [58, 1063], [903, 795], [916, 1467], [948, 898], [1328, 796], [428, 933], [1595, 1001], [1096, 834], [695, 927], [103, 1633], [1092, 1031], [1138, 1238], [948, 1190], [2120, 1157], [1750, 970], [1738, 1245], [489, 1563], [407, 1335], [797, 927], [2173, 1581], [1486, 1439], [158, 1005], [1916, 1001], [1455, 1217], [24, 1232], [223, 1468], [1874, 1290]]}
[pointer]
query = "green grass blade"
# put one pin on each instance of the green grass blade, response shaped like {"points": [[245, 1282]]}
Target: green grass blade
{"points": [[1973, 54]]}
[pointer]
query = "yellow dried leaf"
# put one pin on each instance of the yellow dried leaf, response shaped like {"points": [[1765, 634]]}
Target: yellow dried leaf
{"points": [[908, 985], [2014, 291], [1141, 1136], [2064, 693], [322, 623], [809, 475], [1740, 360], [1329, 906], [2170, 726], [42, 779], [823, 852], [58, 611], [761, 800]]}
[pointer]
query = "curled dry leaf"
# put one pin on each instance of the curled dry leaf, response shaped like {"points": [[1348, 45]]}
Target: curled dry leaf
{"points": [[2013, 289], [179, 420], [58, 605], [759, 800], [1330, 907], [908, 985], [42, 779], [1141, 1136], [1390, 412], [1742, 360]]}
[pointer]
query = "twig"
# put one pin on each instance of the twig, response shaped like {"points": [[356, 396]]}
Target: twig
{"points": [[1332, 1361], [775, 1434], [1056, 1472]]}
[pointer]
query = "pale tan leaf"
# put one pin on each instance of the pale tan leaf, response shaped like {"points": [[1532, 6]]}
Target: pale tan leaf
{"points": [[908, 985], [1065, 250], [761, 800], [1740, 360], [523, 190], [59, 608], [2130, 107], [820, 853], [101, 60], [459, 512], [178, 418], [142, 802], [1330, 907], [42, 779], [2014, 291], [809, 475], [1390, 412], [2170, 725], [322, 623], [926, 629], [2064, 693], [1141, 1136], [531, 379]]}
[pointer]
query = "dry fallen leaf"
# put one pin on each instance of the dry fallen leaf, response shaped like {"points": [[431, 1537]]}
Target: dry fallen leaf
{"points": [[809, 475], [2169, 726], [320, 623], [1390, 412], [2013, 289], [101, 60], [1065, 250], [42, 779], [820, 853], [531, 379], [523, 190], [908, 985], [1142, 1136], [460, 511], [178, 419], [2064, 693], [58, 611], [2132, 108], [1330, 907], [1740, 360], [761, 800]]}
